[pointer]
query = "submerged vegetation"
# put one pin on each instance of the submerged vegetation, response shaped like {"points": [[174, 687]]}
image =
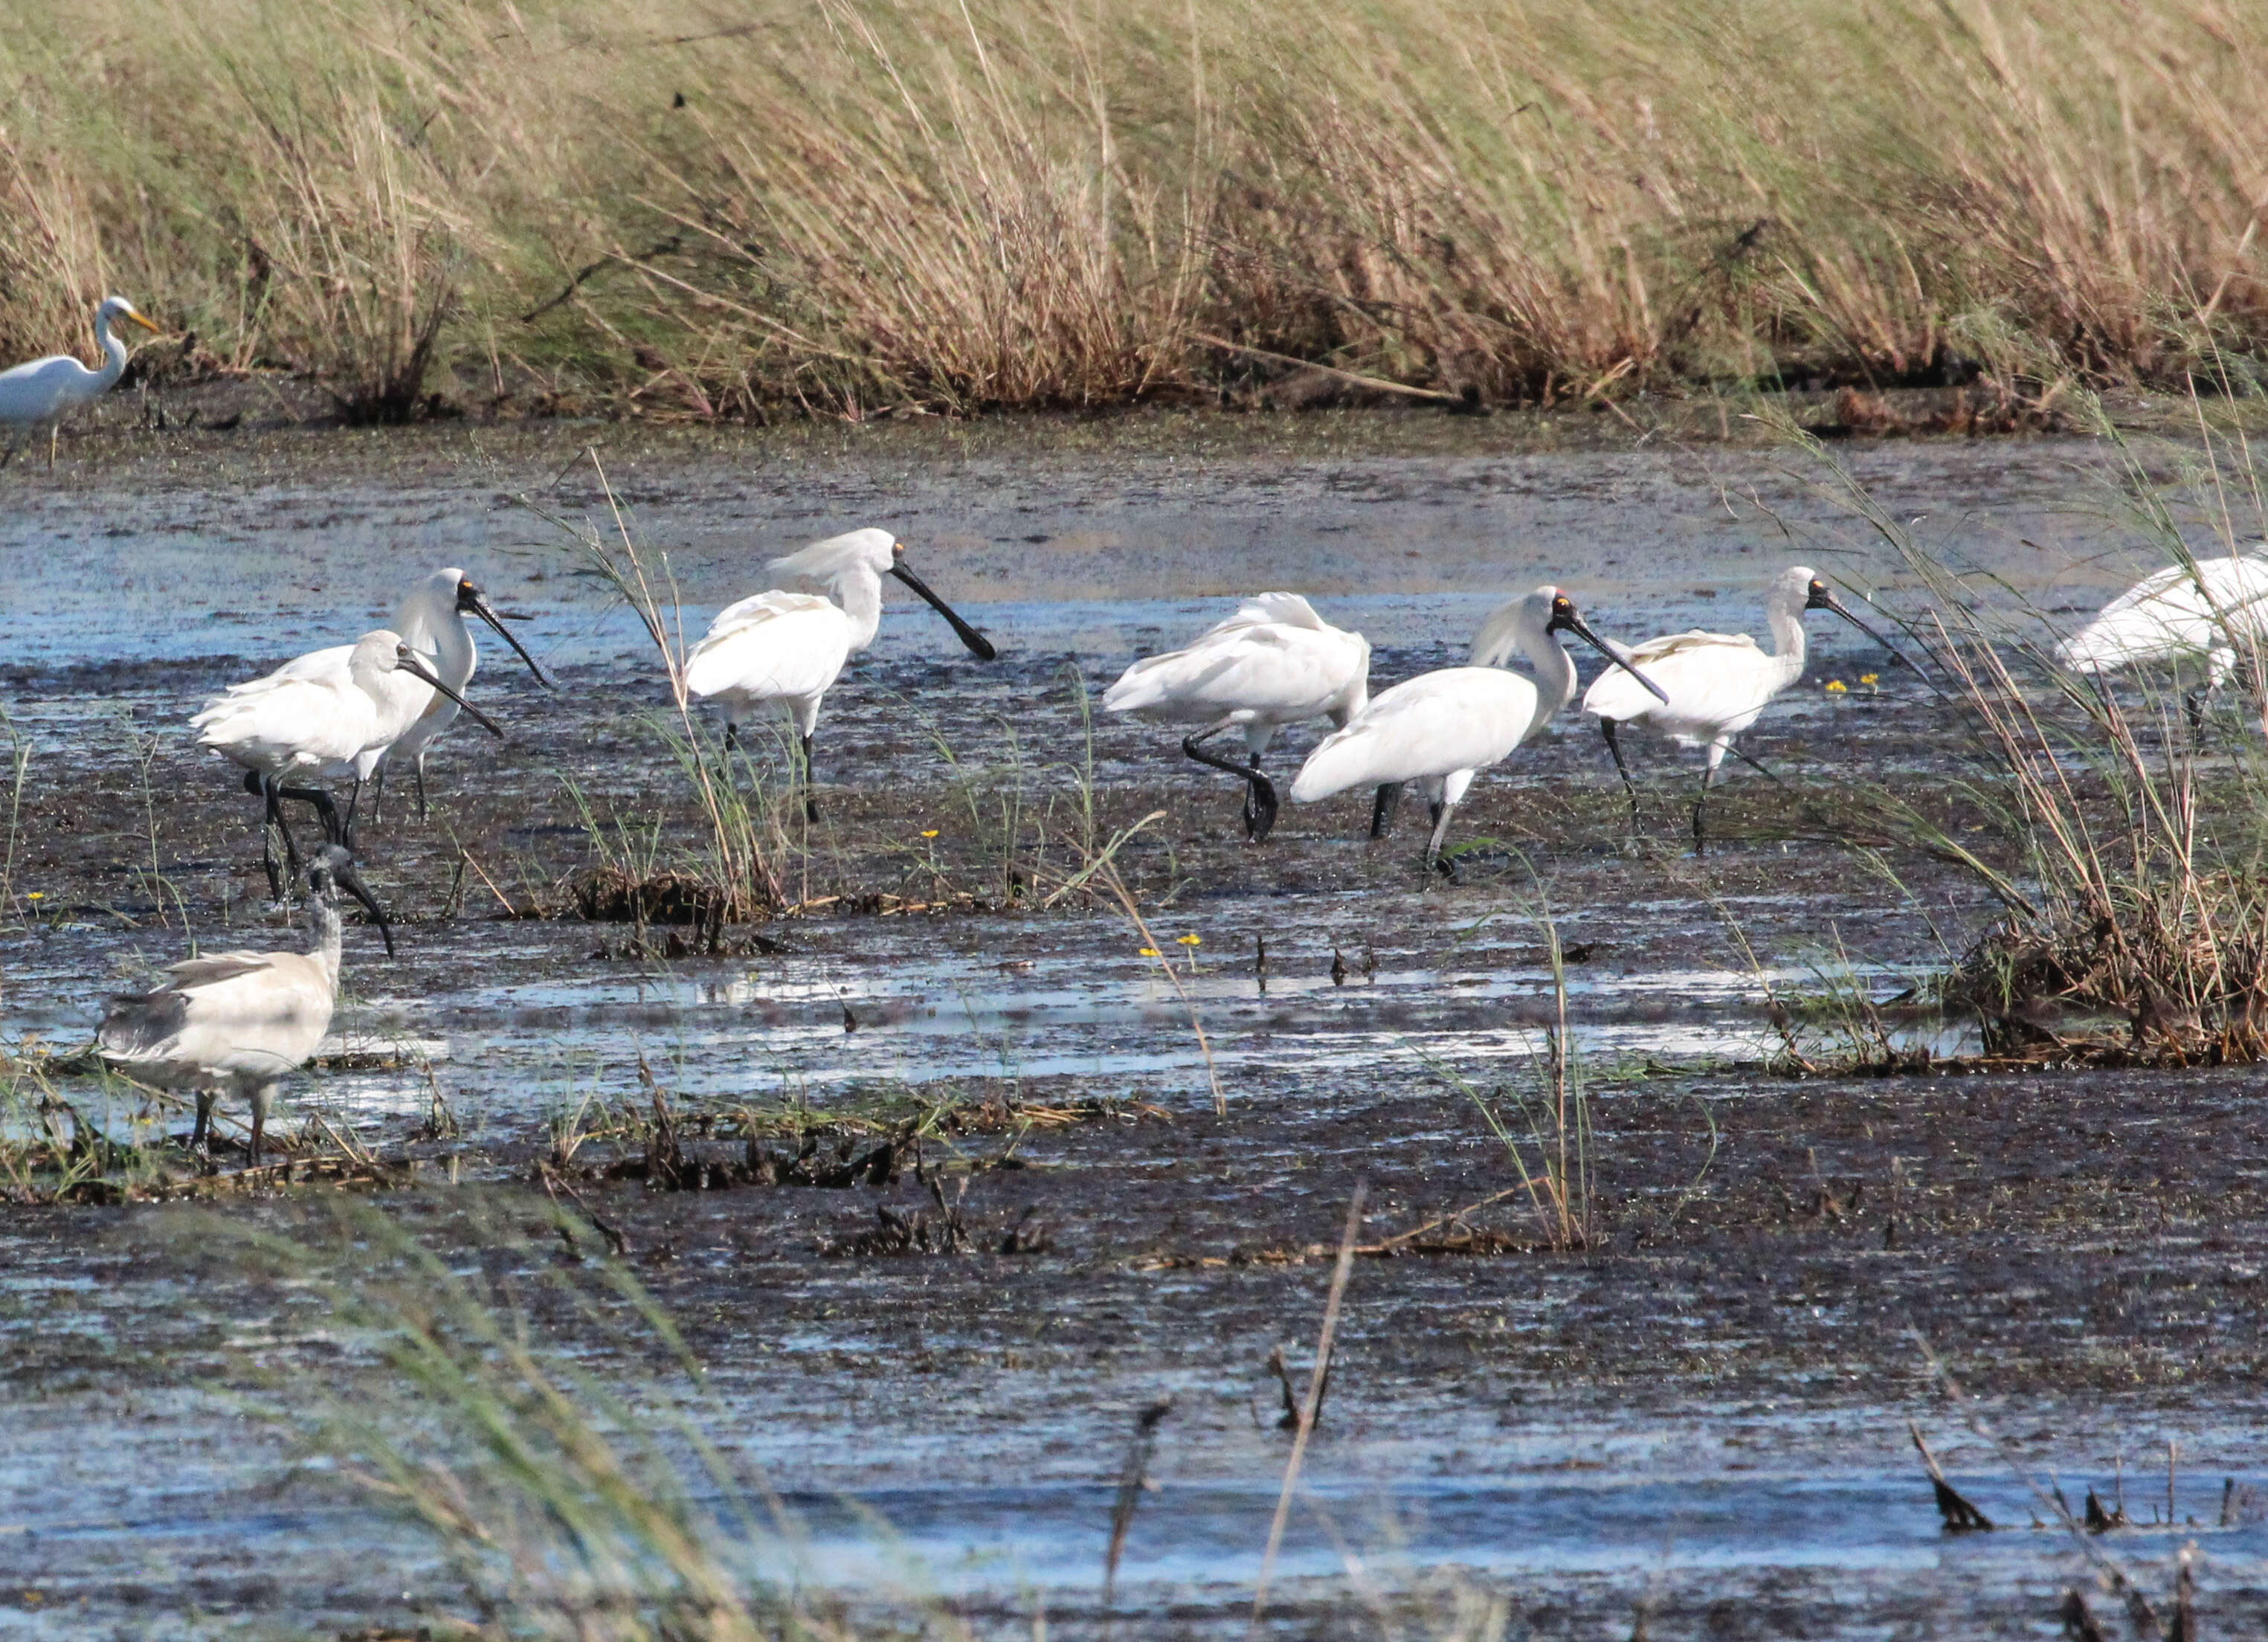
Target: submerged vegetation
{"points": [[850, 207]]}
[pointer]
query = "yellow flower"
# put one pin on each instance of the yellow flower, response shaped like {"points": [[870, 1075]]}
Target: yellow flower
{"points": [[1149, 952], [932, 833], [1870, 678], [1836, 687], [1190, 940], [37, 894]]}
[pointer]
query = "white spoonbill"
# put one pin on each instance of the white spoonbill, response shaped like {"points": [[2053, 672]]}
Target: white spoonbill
{"points": [[1275, 662], [2181, 617], [240, 1021], [43, 389], [1444, 727], [430, 620], [789, 644], [290, 727], [1717, 683]]}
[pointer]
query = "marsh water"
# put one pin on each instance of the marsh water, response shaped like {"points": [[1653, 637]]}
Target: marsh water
{"points": [[1701, 1415]]}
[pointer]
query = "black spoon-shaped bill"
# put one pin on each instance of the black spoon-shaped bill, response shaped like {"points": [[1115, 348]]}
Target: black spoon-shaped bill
{"points": [[979, 646], [409, 662], [1564, 620]]}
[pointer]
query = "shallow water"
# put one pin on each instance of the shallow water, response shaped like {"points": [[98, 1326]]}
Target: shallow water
{"points": [[1472, 1384]]}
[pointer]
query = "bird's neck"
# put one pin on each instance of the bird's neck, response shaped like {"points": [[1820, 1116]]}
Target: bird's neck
{"points": [[860, 594], [1787, 631], [114, 356], [323, 925], [1555, 673]]}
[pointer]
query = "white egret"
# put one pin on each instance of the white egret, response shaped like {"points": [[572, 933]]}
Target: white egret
{"points": [[788, 645], [1273, 663], [2182, 617], [1717, 683], [240, 1021], [430, 620], [1442, 728], [289, 728], [43, 390]]}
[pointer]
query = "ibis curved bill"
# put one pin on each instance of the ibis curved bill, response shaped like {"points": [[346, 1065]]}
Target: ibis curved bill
{"points": [[1442, 728], [240, 1022], [43, 390], [788, 644], [1272, 664], [1715, 684]]}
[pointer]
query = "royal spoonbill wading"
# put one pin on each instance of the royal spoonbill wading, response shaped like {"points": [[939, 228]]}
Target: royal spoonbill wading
{"points": [[2185, 618], [1273, 663], [430, 620], [1714, 685], [1442, 728], [42, 390], [286, 728], [788, 644], [240, 1022]]}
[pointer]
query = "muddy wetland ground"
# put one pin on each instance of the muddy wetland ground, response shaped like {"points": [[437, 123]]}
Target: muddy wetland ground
{"points": [[819, 1275]]}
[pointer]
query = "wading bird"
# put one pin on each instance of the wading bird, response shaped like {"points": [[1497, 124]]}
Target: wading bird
{"points": [[430, 620], [241, 1023], [1442, 728], [1717, 683], [44, 389], [1275, 662], [2182, 618], [288, 727], [789, 644]]}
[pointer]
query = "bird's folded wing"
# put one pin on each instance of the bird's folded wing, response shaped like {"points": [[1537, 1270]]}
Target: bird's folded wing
{"points": [[757, 609], [1677, 644], [211, 970]]}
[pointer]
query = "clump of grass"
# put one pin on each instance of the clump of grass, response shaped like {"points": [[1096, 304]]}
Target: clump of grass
{"points": [[736, 866], [915, 204], [2133, 867]]}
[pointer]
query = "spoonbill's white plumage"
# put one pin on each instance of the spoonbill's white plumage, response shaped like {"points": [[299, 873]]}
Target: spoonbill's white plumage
{"points": [[1440, 729], [43, 390], [788, 645], [1273, 663], [430, 620], [1716, 683], [290, 727], [240, 1022], [2182, 617]]}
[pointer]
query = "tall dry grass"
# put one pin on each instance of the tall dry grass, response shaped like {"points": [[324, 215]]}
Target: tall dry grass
{"points": [[844, 206]]}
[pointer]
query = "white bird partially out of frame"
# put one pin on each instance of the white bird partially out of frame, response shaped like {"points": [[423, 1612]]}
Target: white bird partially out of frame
{"points": [[240, 1022], [788, 644], [1272, 664], [430, 620], [44, 390], [1441, 728], [1716, 683], [286, 728], [2184, 618]]}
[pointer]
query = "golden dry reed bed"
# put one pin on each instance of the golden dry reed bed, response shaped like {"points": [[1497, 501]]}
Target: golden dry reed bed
{"points": [[839, 205]]}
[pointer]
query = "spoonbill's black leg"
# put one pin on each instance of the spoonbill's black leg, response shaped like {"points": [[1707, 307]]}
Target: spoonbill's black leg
{"points": [[810, 793], [420, 773], [1607, 728], [1259, 793], [1382, 808], [1434, 863]]}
